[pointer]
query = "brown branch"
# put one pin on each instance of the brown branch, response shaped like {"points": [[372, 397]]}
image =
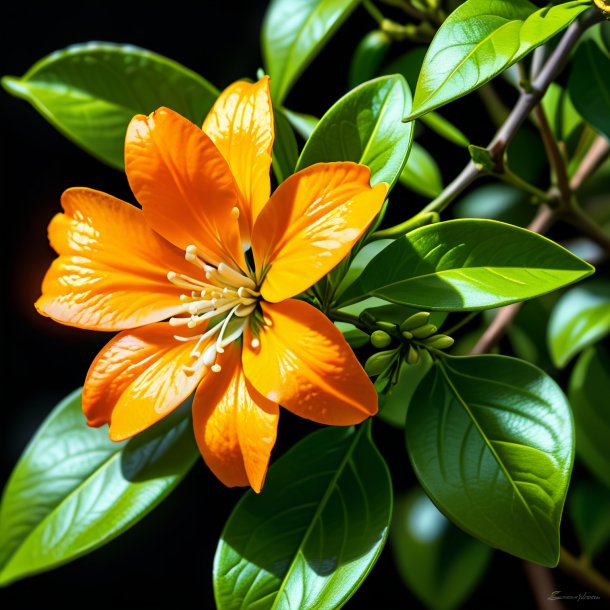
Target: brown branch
{"points": [[584, 573], [542, 584], [595, 156]]}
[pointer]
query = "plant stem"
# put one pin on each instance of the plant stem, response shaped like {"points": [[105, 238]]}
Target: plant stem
{"points": [[373, 11], [526, 103], [511, 178], [341, 316], [584, 573], [595, 156], [543, 584]]}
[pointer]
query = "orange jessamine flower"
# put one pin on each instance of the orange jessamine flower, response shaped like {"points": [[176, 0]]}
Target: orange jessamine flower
{"points": [[233, 331]]}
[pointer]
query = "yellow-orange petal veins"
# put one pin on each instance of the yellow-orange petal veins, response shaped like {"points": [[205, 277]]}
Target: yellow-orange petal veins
{"points": [[138, 378], [184, 185], [111, 273], [235, 426], [241, 126], [310, 224], [301, 360]]}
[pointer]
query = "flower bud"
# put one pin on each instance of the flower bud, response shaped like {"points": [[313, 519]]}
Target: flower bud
{"points": [[417, 319], [424, 331], [380, 339], [439, 342], [412, 356], [378, 362]]}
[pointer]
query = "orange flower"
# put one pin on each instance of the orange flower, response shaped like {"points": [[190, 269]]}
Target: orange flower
{"points": [[234, 334]]}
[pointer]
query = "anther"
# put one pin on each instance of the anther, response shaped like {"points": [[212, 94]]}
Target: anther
{"points": [[235, 212], [216, 368]]}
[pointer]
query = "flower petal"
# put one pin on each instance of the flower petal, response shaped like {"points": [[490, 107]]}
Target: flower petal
{"points": [[241, 126], [184, 185], [304, 363], [235, 426], [310, 223], [112, 270], [139, 378]]}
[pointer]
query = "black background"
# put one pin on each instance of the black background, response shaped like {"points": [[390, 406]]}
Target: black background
{"points": [[166, 560]]}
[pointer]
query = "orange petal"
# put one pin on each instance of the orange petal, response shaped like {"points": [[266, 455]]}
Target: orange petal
{"points": [[241, 126], [112, 270], [139, 378], [310, 223], [185, 186], [304, 363], [235, 426]]}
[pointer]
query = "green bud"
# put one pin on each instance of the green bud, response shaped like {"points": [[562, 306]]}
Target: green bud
{"points": [[416, 320], [378, 362], [380, 339], [424, 331], [412, 356], [407, 335], [439, 341], [366, 317]]}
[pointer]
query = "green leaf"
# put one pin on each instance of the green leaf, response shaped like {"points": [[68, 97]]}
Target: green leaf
{"points": [[479, 40], [90, 92], [293, 33], [421, 173], [73, 490], [368, 57], [589, 509], [589, 85], [361, 260], [481, 157], [394, 403], [562, 115], [588, 391], [303, 124], [468, 265], [365, 126], [580, 318], [285, 150], [312, 535], [491, 441], [409, 66], [438, 562]]}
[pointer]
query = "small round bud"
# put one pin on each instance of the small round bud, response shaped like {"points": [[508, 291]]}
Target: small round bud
{"points": [[439, 342], [413, 355], [424, 331], [415, 321], [380, 339], [378, 362]]}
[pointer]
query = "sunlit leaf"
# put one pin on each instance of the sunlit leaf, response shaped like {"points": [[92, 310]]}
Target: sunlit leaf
{"points": [[438, 561], [294, 32], [73, 490], [312, 535], [421, 173], [491, 441], [467, 265], [588, 392], [364, 126], [91, 91], [479, 40], [580, 318]]}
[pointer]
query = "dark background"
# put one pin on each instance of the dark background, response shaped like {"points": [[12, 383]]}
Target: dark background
{"points": [[166, 560]]}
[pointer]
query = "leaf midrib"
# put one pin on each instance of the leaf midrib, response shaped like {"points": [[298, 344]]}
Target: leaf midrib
{"points": [[490, 447], [322, 504]]}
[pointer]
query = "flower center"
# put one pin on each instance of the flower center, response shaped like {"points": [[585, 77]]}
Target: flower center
{"points": [[223, 295]]}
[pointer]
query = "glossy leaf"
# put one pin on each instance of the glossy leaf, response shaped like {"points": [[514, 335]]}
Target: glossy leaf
{"points": [[589, 390], [393, 405], [468, 265], [421, 173], [91, 91], [73, 490], [589, 509], [492, 442], [409, 66], [479, 40], [364, 126], [368, 57], [562, 115], [312, 535], [438, 562], [285, 150], [580, 318], [589, 85], [294, 32], [303, 124]]}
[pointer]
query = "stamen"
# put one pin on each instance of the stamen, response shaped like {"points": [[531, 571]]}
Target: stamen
{"points": [[235, 212], [184, 281], [209, 356], [245, 309], [234, 277], [179, 321], [216, 368]]}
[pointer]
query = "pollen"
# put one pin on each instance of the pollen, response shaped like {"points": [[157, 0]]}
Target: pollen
{"points": [[235, 212]]}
